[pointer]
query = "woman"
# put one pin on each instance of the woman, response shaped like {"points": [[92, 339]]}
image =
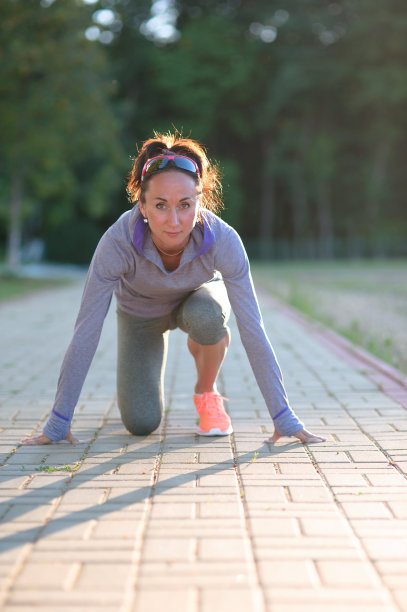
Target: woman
{"points": [[171, 262]]}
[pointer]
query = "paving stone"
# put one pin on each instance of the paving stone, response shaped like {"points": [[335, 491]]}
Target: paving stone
{"points": [[291, 574], [299, 542], [45, 575], [395, 582], [176, 481], [364, 509], [103, 577], [229, 600], [64, 529], [173, 510], [299, 469], [256, 468], [400, 596], [348, 573], [214, 549], [107, 511], [82, 497], [169, 549], [123, 529], [386, 548], [217, 509], [82, 556], [290, 509], [170, 600], [398, 508], [128, 494], [261, 493], [356, 480], [180, 458], [193, 528], [82, 544], [261, 527], [19, 533], [327, 598], [12, 483], [217, 480], [66, 601], [215, 458], [371, 494], [308, 494], [367, 455], [31, 514], [386, 528], [321, 526]]}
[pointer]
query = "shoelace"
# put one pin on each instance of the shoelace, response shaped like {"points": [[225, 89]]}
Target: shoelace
{"points": [[213, 408]]}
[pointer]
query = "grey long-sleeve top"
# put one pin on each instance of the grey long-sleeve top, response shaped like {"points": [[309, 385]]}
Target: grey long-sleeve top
{"points": [[127, 263]]}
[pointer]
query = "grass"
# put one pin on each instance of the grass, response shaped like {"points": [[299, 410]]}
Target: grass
{"points": [[13, 286], [365, 301], [253, 459], [55, 468]]}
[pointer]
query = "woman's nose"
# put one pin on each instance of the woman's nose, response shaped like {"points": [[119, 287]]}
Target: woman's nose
{"points": [[174, 217]]}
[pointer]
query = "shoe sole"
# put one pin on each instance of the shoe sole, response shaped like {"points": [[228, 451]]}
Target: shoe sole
{"points": [[215, 431]]}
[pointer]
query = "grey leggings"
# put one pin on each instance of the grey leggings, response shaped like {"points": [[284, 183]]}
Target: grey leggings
{"points": [[142, 352]]}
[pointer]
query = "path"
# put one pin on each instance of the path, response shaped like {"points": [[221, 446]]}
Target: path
{"points": [[182, 523]]}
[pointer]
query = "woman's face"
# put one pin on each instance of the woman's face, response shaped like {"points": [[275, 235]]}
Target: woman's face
{"points": [[171, 205]]}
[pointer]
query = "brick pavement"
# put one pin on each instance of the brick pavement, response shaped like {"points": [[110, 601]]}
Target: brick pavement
{"points": [[188, 524]]}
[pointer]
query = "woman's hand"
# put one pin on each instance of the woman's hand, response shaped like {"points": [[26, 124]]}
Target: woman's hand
{"points": [[303, 435], [43, 439]]}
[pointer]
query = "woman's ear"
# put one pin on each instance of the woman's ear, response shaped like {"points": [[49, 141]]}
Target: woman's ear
{"points": [[142, 208]]}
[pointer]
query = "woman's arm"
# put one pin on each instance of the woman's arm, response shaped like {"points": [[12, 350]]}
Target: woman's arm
{"points": [[107, 265], [235, 269]]}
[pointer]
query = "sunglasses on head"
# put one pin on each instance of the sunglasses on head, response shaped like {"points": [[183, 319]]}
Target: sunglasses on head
{"points": [[161, 161]]}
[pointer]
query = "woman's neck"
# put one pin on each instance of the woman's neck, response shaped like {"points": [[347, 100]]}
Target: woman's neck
{"points": [[170, 263]]}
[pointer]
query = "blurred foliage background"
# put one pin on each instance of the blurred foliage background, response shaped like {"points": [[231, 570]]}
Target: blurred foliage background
{"points": [[302, 102]]}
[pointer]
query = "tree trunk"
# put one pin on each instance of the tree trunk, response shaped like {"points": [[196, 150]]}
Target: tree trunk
{"points": [[300, 206], [15, 224], [266, 204], [378, 179], [325, 222], [377, 191], [299, 186]]}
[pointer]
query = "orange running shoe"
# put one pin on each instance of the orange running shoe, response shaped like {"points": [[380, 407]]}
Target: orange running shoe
{"points": [[213, 420]]}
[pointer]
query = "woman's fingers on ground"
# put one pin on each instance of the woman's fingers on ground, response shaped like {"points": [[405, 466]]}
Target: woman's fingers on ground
{"points": [[36, 440], [303, 435], [70, 438], [43, 439], [276, 436], [306, 436]]}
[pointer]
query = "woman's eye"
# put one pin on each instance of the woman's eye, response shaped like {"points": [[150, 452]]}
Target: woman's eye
{"points": [[160, 206], [185, 205]]}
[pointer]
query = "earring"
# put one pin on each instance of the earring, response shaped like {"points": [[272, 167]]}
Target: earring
{"points": [[145, 220]]}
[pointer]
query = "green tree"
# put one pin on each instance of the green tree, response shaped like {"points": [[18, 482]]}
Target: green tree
{"points": [[376, 50], [60, 146], [302, 104]]}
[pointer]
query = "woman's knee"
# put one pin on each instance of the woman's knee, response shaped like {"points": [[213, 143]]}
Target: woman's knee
{"points": [[140, 408], [140, 423], [141, 429], [205, 321]]}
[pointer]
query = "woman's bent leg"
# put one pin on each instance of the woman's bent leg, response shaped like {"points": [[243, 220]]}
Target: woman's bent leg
{"points": [[142, 352], [208, 360], [204, 316]]}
